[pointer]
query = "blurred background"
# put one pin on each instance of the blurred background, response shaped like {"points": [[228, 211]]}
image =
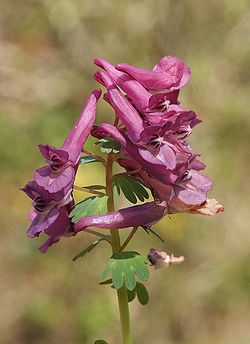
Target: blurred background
{"points": [[46, 50]]}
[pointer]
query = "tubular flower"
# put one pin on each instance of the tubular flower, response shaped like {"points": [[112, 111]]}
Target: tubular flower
{"points": [[51, 189], [144, 214], [192, 198], [160, 145], [62, 162], [170, 73]]}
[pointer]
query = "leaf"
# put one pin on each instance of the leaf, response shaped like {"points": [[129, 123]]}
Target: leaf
{"points": [[131, 187], [108, 145], [100, 341], [142, 293], [87, 249], [95, 187], [131, 295], [124, 267], [109, 281], [87, 160], [93, 205], [149, 231]]}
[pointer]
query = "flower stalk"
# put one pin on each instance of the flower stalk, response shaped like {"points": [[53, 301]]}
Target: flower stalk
{"points": [[116, 247]]}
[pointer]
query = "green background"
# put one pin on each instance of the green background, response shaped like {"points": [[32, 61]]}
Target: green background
{"points": [[46, 50]]}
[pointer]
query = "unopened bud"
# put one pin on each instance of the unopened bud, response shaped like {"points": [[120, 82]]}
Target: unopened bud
{"points": [[160, 259]]}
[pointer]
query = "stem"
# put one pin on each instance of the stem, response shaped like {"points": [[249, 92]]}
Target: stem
{"points": [[130, 236], [95, 192], [116, 246], [106, 237], [97, 157]]}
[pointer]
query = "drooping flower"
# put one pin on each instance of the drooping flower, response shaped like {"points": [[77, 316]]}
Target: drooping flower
{"points": [[160, 259]]}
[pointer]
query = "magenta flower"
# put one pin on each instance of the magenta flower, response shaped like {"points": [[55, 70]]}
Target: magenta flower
{"points": [[163, 146], [62, 163], [145, 102], [138, 215], [46, 206], [51, 191], [169, 74]]}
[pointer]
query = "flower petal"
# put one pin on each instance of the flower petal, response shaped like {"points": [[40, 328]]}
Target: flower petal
{"points": [[134, 89], [79, 134], [55, 183], [170, 73], [43, 222], [123, 108], [139, 215]]}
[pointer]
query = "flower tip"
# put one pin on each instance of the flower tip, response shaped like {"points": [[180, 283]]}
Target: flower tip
{"points": [[98, 77], [99, 62], [97, 93], [210, 208]]}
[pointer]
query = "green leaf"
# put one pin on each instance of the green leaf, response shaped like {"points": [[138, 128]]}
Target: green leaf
{"points": [[142, 293], [95, 187], [124, 267], [93, 205], [149, 231], [87, 249], [109, 281], [100, 341], [109, 145], [131, 295], [132, 188], [87, 160]]}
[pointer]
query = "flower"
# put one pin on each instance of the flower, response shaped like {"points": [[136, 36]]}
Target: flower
{"points": [[164, 146], [138, 215], [51, 189], [62, 162], [191, 199], [161, 259], [170, 73]]}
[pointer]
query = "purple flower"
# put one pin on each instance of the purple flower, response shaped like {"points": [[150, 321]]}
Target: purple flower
{"points": [[163, 146], [51, 189], [187, 195], [62, 163], [139, 215], [169, 74], [142, 99], [46, 206]]}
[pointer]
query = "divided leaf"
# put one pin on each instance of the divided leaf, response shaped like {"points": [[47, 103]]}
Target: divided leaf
{"points": [[93, 205], [100, 341], [108, 145], [132, 188], [87, 160], [141, 292], [124, 267]]}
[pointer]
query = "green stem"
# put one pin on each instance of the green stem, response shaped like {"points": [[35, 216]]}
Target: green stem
{"points": [[130, 236], [116, 246]]}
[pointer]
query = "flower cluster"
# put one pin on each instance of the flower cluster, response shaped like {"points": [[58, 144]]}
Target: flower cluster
{"points": [[153, 136], [152, 128]]}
